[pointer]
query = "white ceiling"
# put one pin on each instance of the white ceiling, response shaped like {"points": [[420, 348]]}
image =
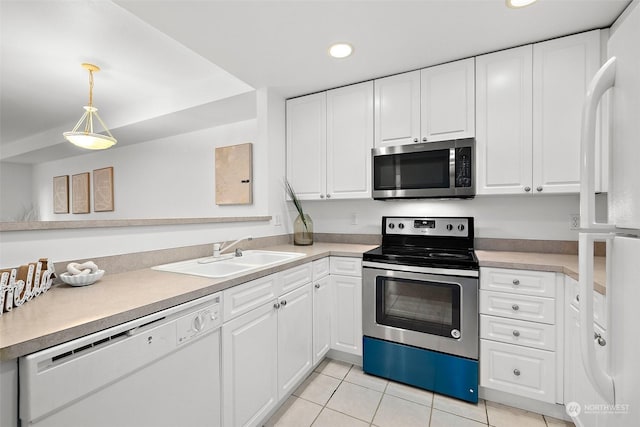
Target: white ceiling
{"points": [[160, 57]]}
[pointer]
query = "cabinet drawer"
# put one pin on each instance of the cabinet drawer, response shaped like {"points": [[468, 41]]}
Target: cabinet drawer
{"points": [[519, 332], [247, 296], [320, 268], [518, 370], [523, 307], [295, 277], [599, 312], [346, 266], [525, 282]]}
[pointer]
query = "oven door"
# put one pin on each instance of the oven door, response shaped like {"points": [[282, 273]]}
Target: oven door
{"points": [[434, 311]]}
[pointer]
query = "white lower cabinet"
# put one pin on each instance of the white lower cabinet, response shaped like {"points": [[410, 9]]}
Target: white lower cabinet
{"points": [[321, 318], [518, 336], [520, 370], [279, 327], [267, 350], [295, 354], [250, 366], [346, 328]]}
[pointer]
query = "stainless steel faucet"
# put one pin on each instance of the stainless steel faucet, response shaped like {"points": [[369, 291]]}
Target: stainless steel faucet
{"points": [[219, 248]]}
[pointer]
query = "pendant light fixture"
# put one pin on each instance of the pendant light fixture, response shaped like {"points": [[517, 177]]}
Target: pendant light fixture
{"points": [[86, 137]]}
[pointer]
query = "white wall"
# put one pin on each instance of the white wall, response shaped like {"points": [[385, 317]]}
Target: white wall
{"points": [[513, 217], [164, 178], [16, 201]]}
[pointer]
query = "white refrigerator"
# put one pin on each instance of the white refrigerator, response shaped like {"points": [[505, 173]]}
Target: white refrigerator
{"points": [[618, 383]]}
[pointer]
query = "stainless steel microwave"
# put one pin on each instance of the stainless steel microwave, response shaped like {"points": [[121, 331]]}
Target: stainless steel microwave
{"points": [[444, 169]]}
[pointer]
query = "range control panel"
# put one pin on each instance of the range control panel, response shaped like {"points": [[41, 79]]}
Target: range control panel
{"points": [[411, 226]]}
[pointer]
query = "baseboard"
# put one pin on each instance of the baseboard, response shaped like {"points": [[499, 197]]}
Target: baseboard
{"points": [[532, 405]]}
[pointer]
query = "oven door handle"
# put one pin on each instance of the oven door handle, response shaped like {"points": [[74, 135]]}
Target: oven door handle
{"points": [[415, 269]]}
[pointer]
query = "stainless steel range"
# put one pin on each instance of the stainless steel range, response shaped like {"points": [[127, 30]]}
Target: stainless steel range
{"points": [[420, 305]]}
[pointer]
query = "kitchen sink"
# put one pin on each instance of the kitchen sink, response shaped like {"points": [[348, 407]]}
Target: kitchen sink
{"points": [[228, 265]]}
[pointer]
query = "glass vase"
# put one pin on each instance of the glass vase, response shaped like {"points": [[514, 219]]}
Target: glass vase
{"points": [[303, 233]]}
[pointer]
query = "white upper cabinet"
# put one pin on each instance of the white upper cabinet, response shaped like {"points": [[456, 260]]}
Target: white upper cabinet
{"points": [[306, 145], [504, 121], [329, 141], [562, 71], [349, 141], [397, 109], [448, 101], [529, 105], [433, 104]]}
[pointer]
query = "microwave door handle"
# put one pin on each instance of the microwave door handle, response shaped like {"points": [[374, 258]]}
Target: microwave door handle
{"points": [[452, 168], [603, 80]]}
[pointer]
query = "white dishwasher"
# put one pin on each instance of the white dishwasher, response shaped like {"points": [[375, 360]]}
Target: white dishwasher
{"points": [[160, 370]]}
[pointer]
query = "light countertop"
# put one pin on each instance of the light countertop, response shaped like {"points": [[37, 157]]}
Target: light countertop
{"points": [[65, 313]]}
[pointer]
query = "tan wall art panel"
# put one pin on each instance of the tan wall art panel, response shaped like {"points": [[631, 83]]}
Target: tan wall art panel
{"points": [[234, 174], [103, 190], [80, 193]]}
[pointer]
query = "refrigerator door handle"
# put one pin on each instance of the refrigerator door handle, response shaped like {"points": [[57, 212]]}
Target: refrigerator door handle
{"points": [[601, 380], [603, 80]]}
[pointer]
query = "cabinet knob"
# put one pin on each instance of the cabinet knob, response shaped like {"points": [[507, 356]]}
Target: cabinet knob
{"points": [[283, 302], [322, 196], [527, 189], [317, 285], [276, 306], [578, 297], [516, 282], [601, 341], [328, 196], [516, 372], [538, 188], [516, 333], [415, 139], [515, 307], [424, 139]]}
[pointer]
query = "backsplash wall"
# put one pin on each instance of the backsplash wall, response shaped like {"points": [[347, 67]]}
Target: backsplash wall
{"points": [[506, 217]]}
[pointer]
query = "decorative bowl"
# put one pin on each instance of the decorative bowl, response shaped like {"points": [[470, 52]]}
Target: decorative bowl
{"points": [[81, 279]]}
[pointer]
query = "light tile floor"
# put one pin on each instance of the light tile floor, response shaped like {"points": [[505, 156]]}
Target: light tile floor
{"points": [[338, 394]]}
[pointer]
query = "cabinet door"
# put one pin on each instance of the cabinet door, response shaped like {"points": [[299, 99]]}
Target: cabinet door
{"points": [[562, 70], [522, 371], [349, 141], [321, 318], [306, 145], [346, 325], [448, 101], [397, 109], [250, 364], [295, 331], [504, 121]]}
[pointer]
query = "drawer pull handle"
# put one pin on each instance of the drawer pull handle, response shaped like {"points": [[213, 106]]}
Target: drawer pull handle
{"points": [[516, 333], [516, 282], [601, 341], [515, 307], [516, 372]]}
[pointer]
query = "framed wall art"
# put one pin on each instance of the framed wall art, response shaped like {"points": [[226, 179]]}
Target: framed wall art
{"points": [[103, 189], [61, 194], [80, 193]]}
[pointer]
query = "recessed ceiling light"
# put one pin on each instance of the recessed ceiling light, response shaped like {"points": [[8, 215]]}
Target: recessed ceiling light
{"points": [[519, 3], [340, 50]]}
